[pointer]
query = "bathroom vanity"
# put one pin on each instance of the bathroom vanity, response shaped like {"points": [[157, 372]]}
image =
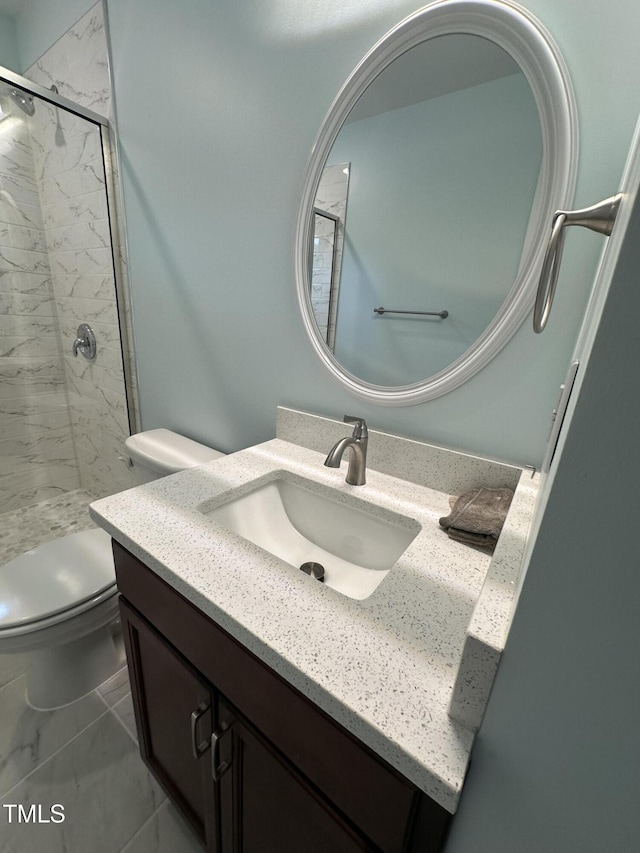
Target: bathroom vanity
{"points": [[280, 713], [260, 766]]}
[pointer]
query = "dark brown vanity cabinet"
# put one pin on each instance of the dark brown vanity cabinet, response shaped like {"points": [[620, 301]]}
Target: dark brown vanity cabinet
{"points": [[175, 715], [252, 764], [228, 781]]}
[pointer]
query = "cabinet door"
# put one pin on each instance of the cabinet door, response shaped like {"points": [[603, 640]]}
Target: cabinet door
{"points": [[175, 713], [266, 805]]}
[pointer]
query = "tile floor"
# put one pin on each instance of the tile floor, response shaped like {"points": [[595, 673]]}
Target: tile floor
{"points": [[24, 528], [83, 756]]}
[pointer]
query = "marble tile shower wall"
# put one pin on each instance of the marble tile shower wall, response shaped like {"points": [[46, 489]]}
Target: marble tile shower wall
{"points": [[70, 175], [78, 64], [331, 197], [67, 153], [323, 238], [37, 459]]}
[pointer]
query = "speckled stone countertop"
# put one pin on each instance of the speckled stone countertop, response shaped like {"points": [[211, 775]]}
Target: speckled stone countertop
{"points": [[384, 667]]}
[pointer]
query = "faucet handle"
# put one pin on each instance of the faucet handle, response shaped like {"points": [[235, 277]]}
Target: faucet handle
{"points": [[360, 429]]}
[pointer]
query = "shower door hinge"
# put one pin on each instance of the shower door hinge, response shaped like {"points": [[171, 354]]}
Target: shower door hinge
{"points": [[557, 416]]}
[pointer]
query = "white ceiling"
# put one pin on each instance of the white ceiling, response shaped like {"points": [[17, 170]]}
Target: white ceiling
{"points": [[436, 67]]}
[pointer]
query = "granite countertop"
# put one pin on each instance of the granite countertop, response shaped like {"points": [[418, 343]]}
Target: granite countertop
{"points": [[384, 667]]}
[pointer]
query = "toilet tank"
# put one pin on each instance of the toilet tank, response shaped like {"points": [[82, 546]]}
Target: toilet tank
{"points": [[158, 452]]}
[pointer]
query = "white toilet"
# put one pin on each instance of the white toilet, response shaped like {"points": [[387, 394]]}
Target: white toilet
{"points": [[58, 601]]}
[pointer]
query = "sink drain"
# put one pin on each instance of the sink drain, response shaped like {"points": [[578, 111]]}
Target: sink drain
{"points": [[316, 570]]}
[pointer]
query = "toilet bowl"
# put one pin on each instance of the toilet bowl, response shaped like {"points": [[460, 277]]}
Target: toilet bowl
{"points": [[59, 601]]}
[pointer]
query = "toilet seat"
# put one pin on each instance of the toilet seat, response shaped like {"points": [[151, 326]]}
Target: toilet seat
{"points": [[56, 581]]}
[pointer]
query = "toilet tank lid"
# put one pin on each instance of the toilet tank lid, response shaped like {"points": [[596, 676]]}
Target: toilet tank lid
{"points": [[167, 452]]}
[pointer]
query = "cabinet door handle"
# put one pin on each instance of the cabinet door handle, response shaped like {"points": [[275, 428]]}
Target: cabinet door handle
{"points": [[218, 768], [198, 749]]}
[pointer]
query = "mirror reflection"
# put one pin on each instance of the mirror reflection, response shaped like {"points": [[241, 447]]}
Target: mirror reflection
{"points": [[424, 205], [329, 215]]}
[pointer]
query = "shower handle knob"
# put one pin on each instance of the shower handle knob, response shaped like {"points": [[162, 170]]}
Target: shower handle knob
{"points": [[85, 342]]}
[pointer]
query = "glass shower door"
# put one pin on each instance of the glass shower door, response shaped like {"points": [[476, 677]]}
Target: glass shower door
{"points": [[63, 415]]}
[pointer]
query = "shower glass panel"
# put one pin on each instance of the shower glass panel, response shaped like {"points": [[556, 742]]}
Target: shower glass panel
{"points": [[325, 232], [329, 215], [63, 417]]}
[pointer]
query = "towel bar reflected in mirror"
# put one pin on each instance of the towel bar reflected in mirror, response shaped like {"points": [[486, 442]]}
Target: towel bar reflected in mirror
{"points": [[382, 310]]}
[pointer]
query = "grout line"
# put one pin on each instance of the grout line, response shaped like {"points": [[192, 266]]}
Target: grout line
{"points": [[100, 696], [120, 701], [21, 675], [4, 794], [121, 721], [151, 817]]}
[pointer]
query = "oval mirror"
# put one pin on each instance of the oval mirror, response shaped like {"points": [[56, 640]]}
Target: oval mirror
{"points": [[428, 199]]}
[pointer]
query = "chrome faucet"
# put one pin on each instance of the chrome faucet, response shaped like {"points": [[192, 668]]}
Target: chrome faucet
{"points": [[357, 444]]}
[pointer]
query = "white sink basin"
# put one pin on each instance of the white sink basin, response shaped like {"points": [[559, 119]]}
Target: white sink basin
{"points": [[355, 544]]}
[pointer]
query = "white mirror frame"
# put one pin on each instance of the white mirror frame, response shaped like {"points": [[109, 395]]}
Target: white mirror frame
{"points": [[516, 31]]}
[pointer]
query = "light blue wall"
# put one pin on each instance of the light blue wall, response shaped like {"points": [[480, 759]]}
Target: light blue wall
{"points": [[218, 108], [8, 49], [440, 194], [556, 767], [218, 105]]}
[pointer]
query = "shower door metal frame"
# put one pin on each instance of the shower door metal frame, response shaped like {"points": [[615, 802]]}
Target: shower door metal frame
{"points": [[108, 141]]}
